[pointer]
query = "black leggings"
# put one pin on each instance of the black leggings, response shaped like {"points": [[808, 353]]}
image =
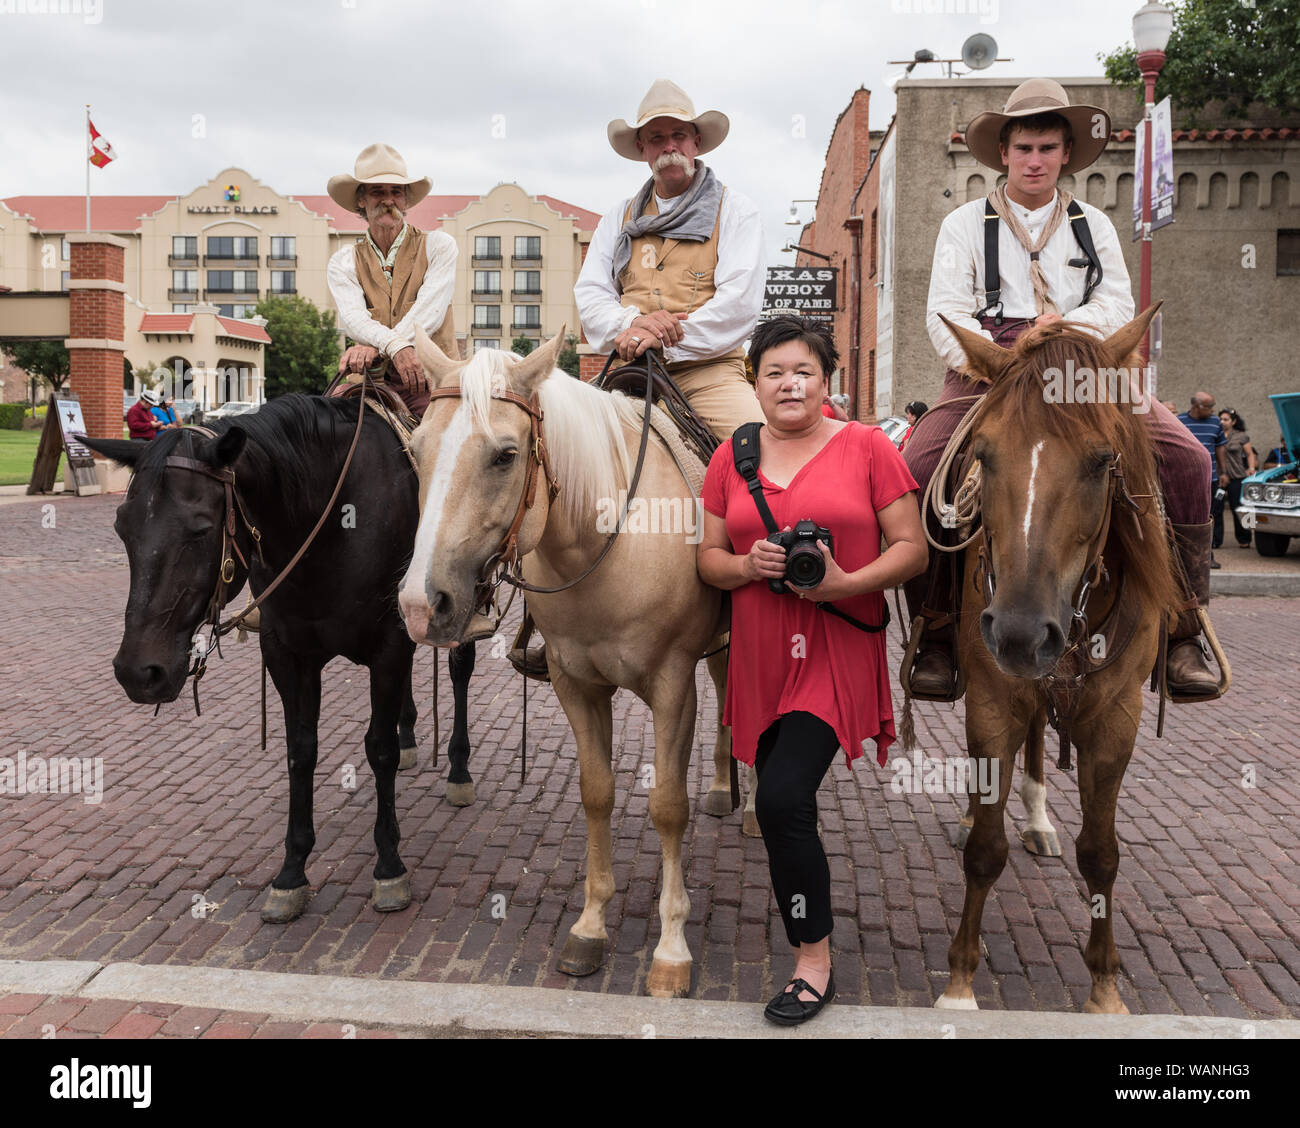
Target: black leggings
{"points": [[793, 755]]}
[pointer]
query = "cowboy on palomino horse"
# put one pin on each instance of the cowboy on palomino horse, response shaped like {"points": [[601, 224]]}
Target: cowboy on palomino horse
{"points": [[679, 267], [1056, 258]]}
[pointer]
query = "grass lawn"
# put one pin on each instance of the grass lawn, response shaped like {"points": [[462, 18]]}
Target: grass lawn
{"points": [[17, 453]]}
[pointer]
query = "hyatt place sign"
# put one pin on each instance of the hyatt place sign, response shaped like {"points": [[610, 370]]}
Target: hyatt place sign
{"points": [[232, 209]]}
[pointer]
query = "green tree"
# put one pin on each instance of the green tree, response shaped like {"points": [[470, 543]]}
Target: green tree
{"points": [[47, 359], [522, 345], [1229, 52], [568, 358], [303, 355]]}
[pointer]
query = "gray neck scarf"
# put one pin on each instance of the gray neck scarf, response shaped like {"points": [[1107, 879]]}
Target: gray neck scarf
{"points": [[692, 219]]}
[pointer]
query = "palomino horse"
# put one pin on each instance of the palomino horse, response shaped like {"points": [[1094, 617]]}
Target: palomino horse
{"points": [[340, 599], [1070, 570], [641, 620]]}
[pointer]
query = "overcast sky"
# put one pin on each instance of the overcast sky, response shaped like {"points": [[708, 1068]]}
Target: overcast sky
{"points": [[479, 92]]}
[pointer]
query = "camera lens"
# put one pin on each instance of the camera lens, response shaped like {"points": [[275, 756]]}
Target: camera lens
{"points": [[804, 566]]}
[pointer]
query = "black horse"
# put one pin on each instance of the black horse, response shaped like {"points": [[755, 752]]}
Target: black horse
{"points": [[340, 599]]}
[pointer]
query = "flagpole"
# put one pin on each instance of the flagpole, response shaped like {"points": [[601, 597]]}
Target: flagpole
{"points": [[86, 157]]}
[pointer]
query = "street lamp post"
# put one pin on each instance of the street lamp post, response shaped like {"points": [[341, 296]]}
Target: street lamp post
{"points": [[1152, 25]]}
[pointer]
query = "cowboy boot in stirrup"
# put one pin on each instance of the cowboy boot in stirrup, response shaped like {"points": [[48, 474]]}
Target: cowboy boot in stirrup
{"points": [[934, 674], [529, 660], [1187, 670]]}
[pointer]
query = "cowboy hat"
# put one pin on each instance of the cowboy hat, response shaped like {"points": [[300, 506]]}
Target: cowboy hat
{"points": [[152, 398], [1040, 96], [377, 164], [667, 99]]}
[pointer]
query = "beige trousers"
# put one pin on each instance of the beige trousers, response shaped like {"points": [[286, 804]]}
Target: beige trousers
{"points": [[718, 393]]}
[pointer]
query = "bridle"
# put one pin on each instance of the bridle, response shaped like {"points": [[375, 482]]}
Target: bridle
{"points": [[503, 565], [234, 512]]}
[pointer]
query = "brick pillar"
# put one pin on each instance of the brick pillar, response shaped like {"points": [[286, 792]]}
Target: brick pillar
{"points": [[96, 327]]}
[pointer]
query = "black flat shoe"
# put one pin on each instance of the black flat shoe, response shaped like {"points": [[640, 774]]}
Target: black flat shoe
{"points": [[787, 1009]]}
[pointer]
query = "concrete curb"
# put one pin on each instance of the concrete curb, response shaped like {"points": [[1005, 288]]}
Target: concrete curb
{"points": [[1254, 583], [434, 1008]]}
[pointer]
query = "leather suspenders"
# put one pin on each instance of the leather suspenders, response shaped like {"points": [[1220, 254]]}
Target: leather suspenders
{"points": [[993, 279]]}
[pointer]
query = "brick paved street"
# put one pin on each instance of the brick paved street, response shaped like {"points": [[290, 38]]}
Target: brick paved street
{"points": [[193, 814]]}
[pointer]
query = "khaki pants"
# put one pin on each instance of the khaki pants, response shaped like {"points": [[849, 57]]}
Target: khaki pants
{"points": [[718, 393]]}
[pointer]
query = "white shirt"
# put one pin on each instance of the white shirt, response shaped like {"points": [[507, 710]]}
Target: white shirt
{"points": [[721, 324], [431, 300], [957, 274]]}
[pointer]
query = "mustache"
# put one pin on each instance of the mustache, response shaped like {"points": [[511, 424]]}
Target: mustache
{"points": [[679, 160]]}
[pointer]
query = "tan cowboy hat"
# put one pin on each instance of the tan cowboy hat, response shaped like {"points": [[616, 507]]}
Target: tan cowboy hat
{"points": [[1040, 96], [666, 99], [377, 164]]}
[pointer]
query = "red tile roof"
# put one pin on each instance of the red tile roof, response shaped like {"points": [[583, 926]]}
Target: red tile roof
{"points": [[167, 323], [586, 220], [244, 329], [68, 213]]}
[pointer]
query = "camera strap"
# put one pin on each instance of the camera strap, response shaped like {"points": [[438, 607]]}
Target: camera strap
{"points": [[745, 455]]}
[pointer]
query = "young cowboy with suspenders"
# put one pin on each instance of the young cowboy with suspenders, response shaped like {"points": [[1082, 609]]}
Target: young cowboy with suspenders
{"points": [[1029, 254]]}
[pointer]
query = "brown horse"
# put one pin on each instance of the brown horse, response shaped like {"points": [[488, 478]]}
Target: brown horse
{"points": [[1073, 574]]}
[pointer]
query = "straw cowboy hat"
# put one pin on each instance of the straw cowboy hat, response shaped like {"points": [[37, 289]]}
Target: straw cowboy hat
{"points": [[377, 164], [152, 398], [1040, 96], [667, 99]]}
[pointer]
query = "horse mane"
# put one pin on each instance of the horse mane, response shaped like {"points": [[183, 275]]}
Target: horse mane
{"points": [[289, 440], [1019, 397], [584, 429]]}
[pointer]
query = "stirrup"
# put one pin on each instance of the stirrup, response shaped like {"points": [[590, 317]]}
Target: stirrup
{"points": [[529, 660], [1208, 641], [909, 658]]}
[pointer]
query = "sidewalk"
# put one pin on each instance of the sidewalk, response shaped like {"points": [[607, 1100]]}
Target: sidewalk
{"points": [[83, 999]]}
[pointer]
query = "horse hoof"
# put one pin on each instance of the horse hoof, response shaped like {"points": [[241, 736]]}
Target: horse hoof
{"points": [[1044, 843], [460, 794], [954, 1002], [668, 980], [960, 835], [407, 758], [749, 828], [392, 894], [581, 956], [718, 802], [1115, 1007], [283, 905]]}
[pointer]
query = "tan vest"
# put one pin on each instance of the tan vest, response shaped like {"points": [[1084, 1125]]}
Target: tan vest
{"points": [[389, 304], [667, 274]]}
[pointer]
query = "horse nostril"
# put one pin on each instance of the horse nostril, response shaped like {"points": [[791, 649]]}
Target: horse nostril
{"points": [[1054, 644], [440, 601]]}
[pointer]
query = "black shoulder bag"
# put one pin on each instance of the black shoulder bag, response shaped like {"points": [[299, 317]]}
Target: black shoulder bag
{"points": [[745, 454]]}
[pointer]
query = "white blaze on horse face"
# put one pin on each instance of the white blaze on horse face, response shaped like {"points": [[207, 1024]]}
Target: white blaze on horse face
{"points": [[415, 584], [1029, 493]]}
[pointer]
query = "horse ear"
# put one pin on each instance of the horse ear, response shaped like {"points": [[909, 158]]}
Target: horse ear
{"points": [[984, 359], [126, 452], [438, 366], [1122, 342], [538, 364], [230, 445]]}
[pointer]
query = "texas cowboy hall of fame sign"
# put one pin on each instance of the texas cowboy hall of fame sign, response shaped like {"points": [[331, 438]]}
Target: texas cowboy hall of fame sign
{"points": [[806, 291]]}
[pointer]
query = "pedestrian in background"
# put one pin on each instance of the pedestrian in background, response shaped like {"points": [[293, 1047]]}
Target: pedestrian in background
{"points": [[1241, 461], [913, 411], [1204, 424]]}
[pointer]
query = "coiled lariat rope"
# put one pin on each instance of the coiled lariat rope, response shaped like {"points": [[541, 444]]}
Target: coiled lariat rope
{"points": [[965, 508]]}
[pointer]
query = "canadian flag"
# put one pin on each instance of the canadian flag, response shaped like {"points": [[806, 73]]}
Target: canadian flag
{"points": [[101, 152]]}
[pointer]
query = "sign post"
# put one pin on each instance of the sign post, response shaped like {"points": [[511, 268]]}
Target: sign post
{"points": [[63, 426]]}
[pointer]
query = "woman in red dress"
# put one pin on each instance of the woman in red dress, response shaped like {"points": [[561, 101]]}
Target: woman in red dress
{"points": [[803, 683]]}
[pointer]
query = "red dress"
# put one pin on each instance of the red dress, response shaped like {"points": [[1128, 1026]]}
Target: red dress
{"points": [[785, 654]]}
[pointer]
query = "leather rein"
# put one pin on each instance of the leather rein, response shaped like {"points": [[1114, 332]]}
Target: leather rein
{"points": [[503, 566], [234, 512]]}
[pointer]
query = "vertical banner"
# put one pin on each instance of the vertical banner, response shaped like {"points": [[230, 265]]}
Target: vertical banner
{"points": [[885, 280], [1162, 170]]}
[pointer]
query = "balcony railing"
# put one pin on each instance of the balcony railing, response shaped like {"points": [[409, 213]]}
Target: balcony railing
{"points": [[486, 328], [526, 328], [228, 296], [277, 261], [182, 295], [183, 260], [487, 258], [281, 290], [485, 295], [525, 293], [234, 261], [526, 260]]}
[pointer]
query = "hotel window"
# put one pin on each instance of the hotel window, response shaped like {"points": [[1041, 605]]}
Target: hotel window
{"points": [[225, 311], [284, 246], [243, 311], [282, 282], [1288, 251], [487, 317], [232, 246], [67, 251], [528, 317], [182, 307], [187, 280], [528, 281], [487, 281], [67, 277], [479, 345], [185, 246], [487, 246], [232, 281], [528, 246]]}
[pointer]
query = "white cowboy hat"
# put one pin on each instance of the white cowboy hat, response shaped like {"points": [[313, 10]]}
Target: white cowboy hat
{"points": [[152, 398], [1040, 96], [377, 164], [666, 99]]}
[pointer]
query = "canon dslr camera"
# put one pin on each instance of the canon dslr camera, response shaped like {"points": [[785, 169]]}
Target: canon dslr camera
{"points": [[805, 567]]}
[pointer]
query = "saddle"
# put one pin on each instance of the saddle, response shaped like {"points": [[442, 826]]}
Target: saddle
{"points": [[389, 406], [631, 381]]}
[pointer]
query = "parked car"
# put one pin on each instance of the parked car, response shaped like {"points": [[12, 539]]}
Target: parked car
{"points": [[895, 427], [233, 407], [1270, 499], [185, 409]]}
